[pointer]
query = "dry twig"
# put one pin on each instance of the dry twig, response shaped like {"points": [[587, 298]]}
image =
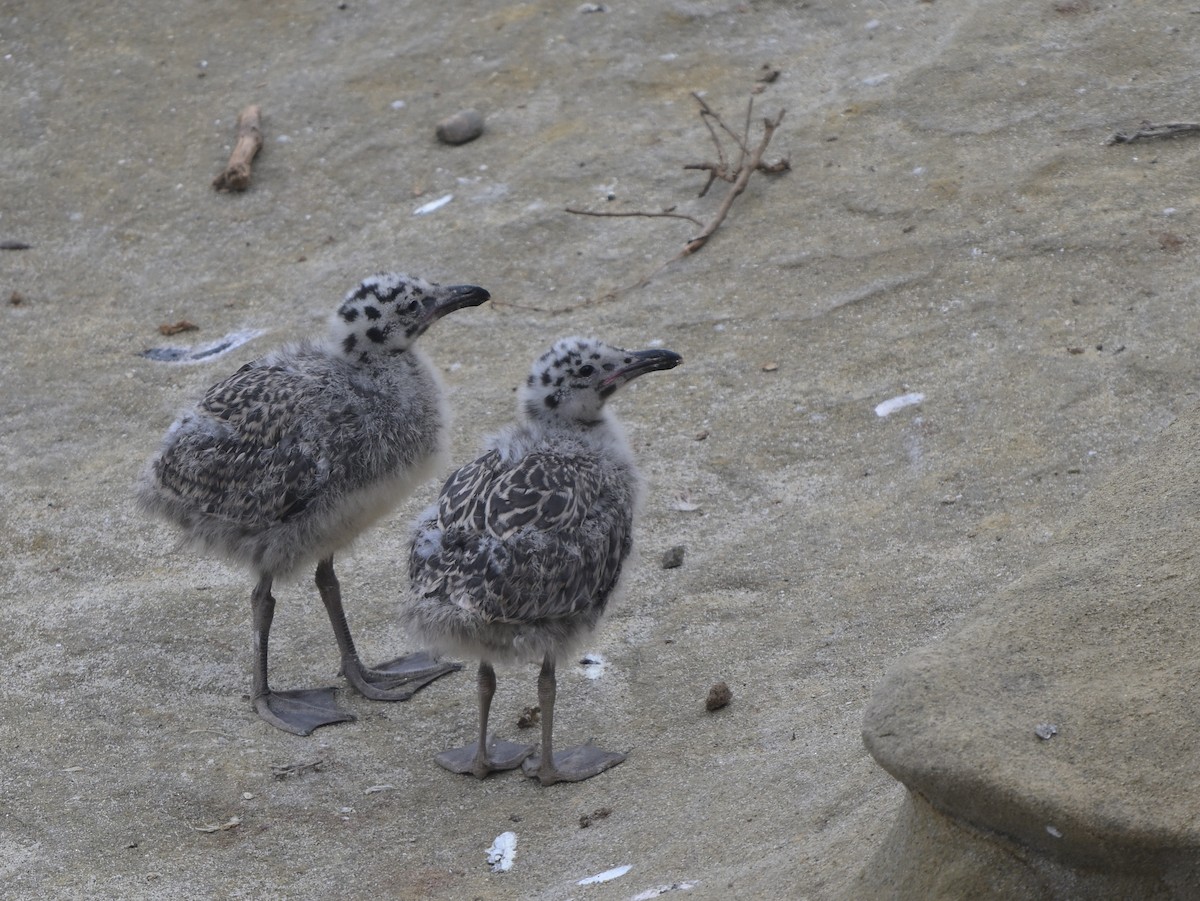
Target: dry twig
{"points": [[741, 173], [1150, 130], [315, 765], [236, 176], [748, 161], [231, 823], [665, 214], [174, 328]]}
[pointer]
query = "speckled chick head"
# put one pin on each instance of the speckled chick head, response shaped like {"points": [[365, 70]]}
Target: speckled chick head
{"points": [[571, 381], [386, 313]]}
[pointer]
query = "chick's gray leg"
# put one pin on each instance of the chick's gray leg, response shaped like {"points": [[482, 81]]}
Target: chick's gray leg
{"points": [[574, 764], [482, 756], [300, 711], [396, 680]]}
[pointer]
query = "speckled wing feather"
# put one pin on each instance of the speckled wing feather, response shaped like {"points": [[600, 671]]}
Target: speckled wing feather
{"points": [[521, 543], [257, 402], [547, 491], [462, 503], [243, 455]]}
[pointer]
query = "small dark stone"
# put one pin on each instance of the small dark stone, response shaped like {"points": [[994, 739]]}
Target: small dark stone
{"points": [[600, 813], [529, 717], [673, 558], [14, 245], [767, 74], [460, 128], [718, 696]]}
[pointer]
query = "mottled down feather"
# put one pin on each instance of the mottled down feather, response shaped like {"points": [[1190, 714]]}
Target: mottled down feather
{"points": [[526, 541], [293, 454]]}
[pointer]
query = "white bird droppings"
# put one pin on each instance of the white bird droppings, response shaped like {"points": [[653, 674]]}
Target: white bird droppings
{"points": [[893, 404], [593, 665], [433, 205], [606, 876], [503, 852]]}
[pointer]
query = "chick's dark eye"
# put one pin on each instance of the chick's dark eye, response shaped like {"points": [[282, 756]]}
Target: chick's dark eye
{"points": [[586, 370], [412, 307]]}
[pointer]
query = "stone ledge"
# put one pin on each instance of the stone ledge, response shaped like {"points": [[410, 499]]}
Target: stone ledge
{"points": [[1102, 641], [933, 857]]}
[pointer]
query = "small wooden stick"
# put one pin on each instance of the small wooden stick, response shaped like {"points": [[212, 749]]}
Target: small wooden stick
{"points": [[706, 111], [743, 177], [665, 214], [748, 162], [744, 143], [236, 176], [1151, 130]]}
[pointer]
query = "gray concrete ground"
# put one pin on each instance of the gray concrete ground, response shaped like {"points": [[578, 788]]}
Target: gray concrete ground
{"points": [[953, 226]]}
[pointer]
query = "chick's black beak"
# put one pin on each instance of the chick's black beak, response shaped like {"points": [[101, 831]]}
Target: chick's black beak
{"points": [[643, 361], [456, 297]]}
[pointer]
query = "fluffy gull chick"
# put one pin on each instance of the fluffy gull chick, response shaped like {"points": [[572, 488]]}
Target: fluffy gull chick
{"points": [[524, 547], [292, 456]]}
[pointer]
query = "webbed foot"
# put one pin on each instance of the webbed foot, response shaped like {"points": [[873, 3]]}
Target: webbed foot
{"points": [[302, 710], [399, 679], [501, 755], [571, 765]]}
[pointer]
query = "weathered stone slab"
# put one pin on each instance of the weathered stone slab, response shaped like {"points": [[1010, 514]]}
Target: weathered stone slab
{"points": [[1101, 642]]}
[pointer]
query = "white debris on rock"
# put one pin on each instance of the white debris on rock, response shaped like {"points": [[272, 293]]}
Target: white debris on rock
{"points": [[606, 876], [433, 205], [503, 852], [890, 406]]}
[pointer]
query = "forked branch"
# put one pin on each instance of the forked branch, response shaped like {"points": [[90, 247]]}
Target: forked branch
{"points": [[748, 161]]}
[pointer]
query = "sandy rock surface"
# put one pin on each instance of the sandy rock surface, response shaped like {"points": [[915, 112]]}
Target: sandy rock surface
{"points": [[1061, 717], [953, 227]]}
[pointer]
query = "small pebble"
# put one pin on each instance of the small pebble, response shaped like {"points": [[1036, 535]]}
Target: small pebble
{"points": [[174, 328], [718, 696], [600, 813], [1045, 731], [529, 717], [673, 558], [460, 128], [767, 74]]}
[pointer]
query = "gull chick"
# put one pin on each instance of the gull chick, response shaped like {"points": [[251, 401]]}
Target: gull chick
{"points": [[287, 460], [524, 548]]}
